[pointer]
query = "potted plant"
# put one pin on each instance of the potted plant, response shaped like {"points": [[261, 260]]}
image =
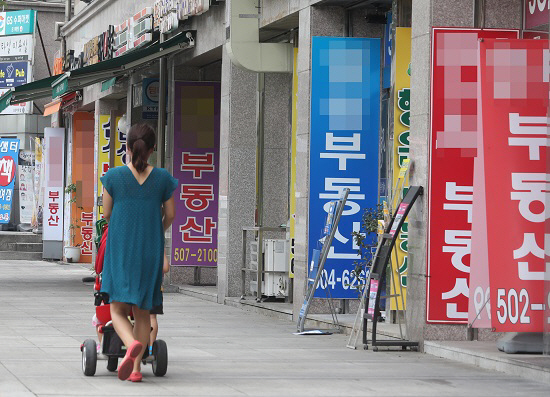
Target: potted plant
{"points": [[72, 251]]}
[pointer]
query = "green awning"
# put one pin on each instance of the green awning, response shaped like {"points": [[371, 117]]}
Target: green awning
{"points": [[115, 67], [27, 92], [98, 72]]}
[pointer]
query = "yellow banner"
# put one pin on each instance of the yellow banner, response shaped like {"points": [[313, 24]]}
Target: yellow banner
{"points": [[293, 162], [103, 155], [402, 106]]}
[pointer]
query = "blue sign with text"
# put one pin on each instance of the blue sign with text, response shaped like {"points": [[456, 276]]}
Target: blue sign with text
{"points": [[13, 74], [345, 119], [9, 154]]}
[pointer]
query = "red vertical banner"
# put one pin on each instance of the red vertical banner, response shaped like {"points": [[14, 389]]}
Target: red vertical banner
{"points": [[454, 125], [514, 78]]}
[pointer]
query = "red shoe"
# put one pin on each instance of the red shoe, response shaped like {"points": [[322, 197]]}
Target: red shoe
{"points": [[135, 377], [127, 365]]}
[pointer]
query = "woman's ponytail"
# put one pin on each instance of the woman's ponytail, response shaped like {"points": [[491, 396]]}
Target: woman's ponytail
{"points": [[139, 155], [141, 139]]}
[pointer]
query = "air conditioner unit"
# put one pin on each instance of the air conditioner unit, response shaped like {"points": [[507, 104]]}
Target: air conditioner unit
{"points": [[276, 263], [57, 30]]}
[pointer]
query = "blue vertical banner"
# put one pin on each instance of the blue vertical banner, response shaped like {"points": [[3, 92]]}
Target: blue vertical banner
{"points": [[9, 155], [345, 119]]}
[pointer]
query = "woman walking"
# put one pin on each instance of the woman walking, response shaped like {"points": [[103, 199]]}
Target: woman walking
{"points": [[138, 203]]}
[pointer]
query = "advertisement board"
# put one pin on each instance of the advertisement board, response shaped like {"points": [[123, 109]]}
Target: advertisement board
{"points": [[345, 121], [536, 13], [14, 74], [150, 100], [26, 193], [17, 48], [17, 22], [82, 175], [196, 166], [54, 153], [454, 118], [9, 155], [401, 123], [514, 78]]}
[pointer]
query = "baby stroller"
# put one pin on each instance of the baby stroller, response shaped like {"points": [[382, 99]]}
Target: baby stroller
{"points": [[112, 348]]}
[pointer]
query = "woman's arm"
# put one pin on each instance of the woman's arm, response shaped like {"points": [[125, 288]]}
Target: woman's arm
{"points": [[107, 204], [169, 213]]}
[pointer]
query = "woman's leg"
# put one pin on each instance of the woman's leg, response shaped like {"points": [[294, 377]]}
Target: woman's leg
{"points": [[142, 331], [123, 327]]}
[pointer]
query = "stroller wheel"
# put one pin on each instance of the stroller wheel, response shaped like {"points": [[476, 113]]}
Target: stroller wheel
{"points": [[89, 357], [160, 363], [112, 364]]}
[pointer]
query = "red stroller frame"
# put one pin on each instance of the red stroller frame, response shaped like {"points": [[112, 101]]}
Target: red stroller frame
{"points": [[112, 347]]}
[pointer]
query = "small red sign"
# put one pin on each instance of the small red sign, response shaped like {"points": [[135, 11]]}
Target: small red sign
{"points": [[7, 170]]}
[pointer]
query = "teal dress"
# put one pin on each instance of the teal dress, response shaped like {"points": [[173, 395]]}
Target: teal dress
{"points": [[132, 269]]}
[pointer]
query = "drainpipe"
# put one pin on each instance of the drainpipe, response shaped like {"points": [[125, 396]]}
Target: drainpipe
{"points": [[161, 132], [68, 15], [260, 176]]}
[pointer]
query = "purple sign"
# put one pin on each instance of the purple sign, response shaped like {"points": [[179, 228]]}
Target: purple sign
{"points": [[196, 161]]}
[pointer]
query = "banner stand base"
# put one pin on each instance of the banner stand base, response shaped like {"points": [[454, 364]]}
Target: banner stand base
{"points": [[52, 250], [521, 342]]}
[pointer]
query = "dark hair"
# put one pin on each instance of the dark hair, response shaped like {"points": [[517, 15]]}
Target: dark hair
{"points": [[141, 138]]}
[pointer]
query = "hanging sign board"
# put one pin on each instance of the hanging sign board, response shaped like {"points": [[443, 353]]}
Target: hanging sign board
{"points": [[345, 114], [150, 101], [536, 13], [514, 78], [14, 74], [17, 22], [9, 154], [196, 166], [16, 48], [453, 149]]}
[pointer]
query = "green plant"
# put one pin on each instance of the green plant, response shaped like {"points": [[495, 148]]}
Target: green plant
{"points": [[71, 190], [366, 241]]}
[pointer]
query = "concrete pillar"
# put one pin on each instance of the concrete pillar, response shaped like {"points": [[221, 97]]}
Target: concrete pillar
{"points": [[425, 15], [237, 172], [314, 21]]}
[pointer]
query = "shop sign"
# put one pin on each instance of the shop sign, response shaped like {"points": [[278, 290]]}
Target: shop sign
{"points": [[150, 101], [345, 120], [141, 27], [196, 166], [454, 126], [402, 108], [16, 48], [189, 8], [536, 13], [514, 88], [19, 108], [17, 22], [14, 74], [60, 86], [9, 153], [165, 15], [106, 44], [54, 149], [26, 193]]}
